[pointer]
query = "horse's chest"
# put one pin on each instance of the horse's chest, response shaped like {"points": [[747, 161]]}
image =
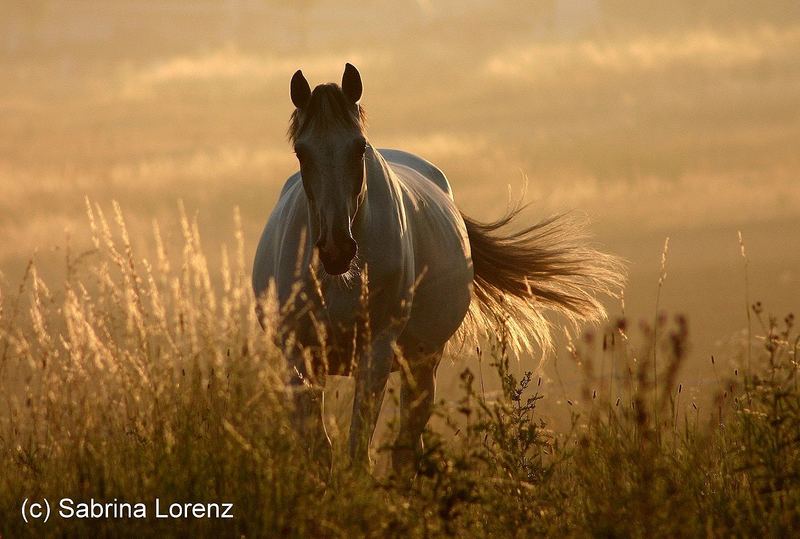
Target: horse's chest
{"points": [[343, 303], [380, 293]]}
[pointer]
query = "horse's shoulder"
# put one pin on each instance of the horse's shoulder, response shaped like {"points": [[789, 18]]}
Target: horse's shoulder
{"points": [[292, 181], [280, 232], [420, 165], [291, 205]]}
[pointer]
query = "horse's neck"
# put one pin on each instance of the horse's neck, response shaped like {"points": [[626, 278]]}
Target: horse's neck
{"points": [[380, 177], [382, 194]]}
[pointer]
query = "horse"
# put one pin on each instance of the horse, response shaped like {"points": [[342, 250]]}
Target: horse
{"points": [[374, 269]]}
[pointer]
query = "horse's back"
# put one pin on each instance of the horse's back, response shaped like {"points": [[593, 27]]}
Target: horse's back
{"points": [[418, 164], [440, 250]]}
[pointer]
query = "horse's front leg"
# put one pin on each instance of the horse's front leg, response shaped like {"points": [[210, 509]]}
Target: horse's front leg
{"points": [[308, 401], [373, 369]]}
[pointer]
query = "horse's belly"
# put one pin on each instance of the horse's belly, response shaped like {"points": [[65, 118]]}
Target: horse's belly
{"points": [[444, 271], [436, 314]]}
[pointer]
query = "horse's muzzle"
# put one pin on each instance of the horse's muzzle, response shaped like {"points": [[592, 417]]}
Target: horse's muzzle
{"points": [[335, 258]]}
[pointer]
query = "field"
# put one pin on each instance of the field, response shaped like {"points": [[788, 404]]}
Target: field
{"points": [[160, 388], [131, 364]]}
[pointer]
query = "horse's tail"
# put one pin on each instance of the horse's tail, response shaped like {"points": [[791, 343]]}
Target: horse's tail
{"points": [[547, 266]]}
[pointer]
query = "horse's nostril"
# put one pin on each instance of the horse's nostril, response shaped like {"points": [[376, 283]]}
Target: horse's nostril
{"points": [[325, 250]]}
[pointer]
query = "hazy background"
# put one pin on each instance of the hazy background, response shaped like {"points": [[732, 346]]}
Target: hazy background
{"points": [[655, 119]]}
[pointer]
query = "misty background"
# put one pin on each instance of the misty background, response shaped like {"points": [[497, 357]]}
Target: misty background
{"points": [[677, 119]]}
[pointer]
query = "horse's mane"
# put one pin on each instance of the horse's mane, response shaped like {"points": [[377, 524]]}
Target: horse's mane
{"points": [[327, 107]]}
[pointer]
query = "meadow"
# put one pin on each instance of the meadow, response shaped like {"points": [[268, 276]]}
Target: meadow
{"points": [[131, 364], [158, 386]]}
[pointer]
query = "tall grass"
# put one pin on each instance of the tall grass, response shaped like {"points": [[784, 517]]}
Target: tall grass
{"points": [[140, 379]]}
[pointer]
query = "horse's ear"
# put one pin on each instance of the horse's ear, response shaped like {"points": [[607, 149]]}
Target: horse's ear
{"points": [[351, 83], [300, 90]]}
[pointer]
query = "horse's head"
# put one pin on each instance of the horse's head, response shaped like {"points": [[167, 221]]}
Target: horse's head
{"points": [[328, 136]]}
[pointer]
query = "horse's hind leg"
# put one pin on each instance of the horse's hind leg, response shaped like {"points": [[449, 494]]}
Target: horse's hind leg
{"points": [[417, 394]]}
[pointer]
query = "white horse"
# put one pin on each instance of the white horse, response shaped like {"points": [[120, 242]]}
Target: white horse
{"points": [[375, 269]]}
